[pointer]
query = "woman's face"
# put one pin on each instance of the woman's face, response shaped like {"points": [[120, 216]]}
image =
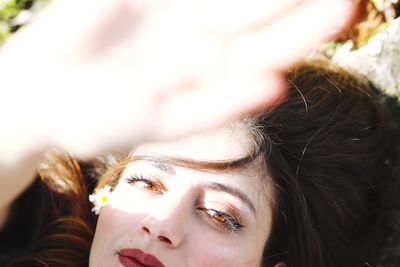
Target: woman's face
{"points": [[165, 215]]}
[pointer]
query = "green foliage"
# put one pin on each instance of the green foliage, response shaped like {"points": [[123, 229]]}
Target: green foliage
{"points": [[4, 31], [9, 11], [11, 8]]}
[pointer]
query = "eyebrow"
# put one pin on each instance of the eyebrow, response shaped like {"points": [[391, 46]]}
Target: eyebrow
{"points": [[164, 167], [218, 187], [232, 191]]}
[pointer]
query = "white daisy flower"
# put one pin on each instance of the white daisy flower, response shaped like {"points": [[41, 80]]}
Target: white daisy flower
{"points": [[99, 198]]}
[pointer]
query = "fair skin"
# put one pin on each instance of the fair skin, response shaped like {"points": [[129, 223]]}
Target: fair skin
{"points": [[187, 217]]}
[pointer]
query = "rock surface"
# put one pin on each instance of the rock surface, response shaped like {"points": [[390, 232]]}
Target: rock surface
{"points": [[378, 60]]}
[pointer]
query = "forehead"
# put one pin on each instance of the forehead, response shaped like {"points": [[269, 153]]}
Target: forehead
{"points": [[222, 144]]}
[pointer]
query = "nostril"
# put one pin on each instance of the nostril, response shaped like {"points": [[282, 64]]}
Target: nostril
{"points": [[160, 237], [164, 239], [146, 230]]}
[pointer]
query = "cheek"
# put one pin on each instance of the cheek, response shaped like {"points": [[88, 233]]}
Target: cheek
{"points": [[114, 222], [127, 200], [112, 228], [123, 212], [211, 250], [99, 253], [108, 217]]}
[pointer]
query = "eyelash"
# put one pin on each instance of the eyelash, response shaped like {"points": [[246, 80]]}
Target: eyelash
{"points": [[229, 223], [139, 178]]}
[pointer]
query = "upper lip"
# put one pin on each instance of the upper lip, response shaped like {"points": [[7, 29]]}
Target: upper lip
{"points": [[147, 260]]}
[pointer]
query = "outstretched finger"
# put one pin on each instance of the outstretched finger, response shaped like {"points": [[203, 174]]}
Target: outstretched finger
{"points": [[233, 17], [288, 39], [210, 106]]}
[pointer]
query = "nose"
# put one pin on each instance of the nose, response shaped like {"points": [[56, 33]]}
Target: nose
{"points": [[168, 221], [162, 237]]}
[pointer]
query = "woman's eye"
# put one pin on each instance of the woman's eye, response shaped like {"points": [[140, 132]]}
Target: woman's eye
{"points": [[220, 217], [224, 220], [146, 186], [143, 183]]}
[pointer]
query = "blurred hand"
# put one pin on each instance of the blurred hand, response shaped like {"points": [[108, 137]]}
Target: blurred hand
{"points": [[92, 74]]}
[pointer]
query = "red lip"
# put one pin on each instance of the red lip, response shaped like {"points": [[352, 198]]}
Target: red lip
{"points": [[131, 257]]}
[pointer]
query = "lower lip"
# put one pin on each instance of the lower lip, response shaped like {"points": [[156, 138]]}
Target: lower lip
{"points": [[130, 262], [132, 257]]}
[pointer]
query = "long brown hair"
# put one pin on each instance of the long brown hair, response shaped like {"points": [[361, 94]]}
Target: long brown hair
{"points": [[64, 225]]}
